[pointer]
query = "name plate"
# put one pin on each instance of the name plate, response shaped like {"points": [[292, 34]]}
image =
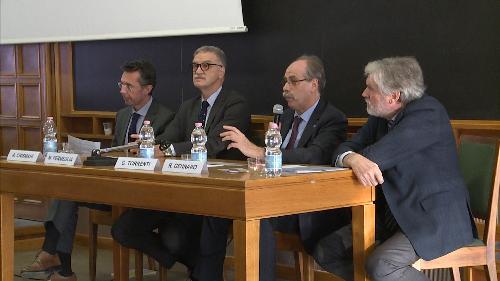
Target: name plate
{"points": [[25, 156], [132, 163], [60, 158], [183, 166]]}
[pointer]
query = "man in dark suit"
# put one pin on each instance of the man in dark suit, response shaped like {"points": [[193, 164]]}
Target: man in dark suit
{"points": [[136, 87], [179, 234], [407, 150], [311, 128]]}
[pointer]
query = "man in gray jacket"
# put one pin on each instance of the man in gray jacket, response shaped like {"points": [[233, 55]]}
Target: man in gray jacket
{"points": [[136, 87]]}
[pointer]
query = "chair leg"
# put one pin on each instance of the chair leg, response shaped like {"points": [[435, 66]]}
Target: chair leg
{"points": [[491, 268], [308, 267], [467, 273], [162, 273], [92, 250], [299, 270], [138, 265], [304, 266], [456, 273], [151, 263]]}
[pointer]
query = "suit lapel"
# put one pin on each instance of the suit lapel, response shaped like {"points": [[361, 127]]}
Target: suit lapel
{"points": [[311, 125], [151, 114], [218, 104], [286, 122]]}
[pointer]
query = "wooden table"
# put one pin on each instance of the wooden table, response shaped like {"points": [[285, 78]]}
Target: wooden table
{"points": [[243, 197]]}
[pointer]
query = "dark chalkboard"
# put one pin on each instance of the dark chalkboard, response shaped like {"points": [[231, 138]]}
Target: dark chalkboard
{"points": [[456, 42]]}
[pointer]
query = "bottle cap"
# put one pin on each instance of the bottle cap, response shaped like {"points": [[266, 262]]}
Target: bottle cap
{"points": [[273, 125], [198, 124], [147, 122], [50, 118]]}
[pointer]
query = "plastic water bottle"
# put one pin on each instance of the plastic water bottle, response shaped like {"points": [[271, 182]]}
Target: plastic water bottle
{"points": [[273, 151], [147, 138], [198, 139], [49, 136]]}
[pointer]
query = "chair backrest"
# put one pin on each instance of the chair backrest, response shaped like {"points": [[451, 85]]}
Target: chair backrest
{"points": [[480, 166]]}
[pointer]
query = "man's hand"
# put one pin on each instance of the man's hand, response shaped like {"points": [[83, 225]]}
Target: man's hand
{"points": [[158, 152], [367, 172], [240, 141]]}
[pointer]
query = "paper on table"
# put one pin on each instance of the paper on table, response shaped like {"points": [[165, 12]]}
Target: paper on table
{"points": [[80, 146], [299, 169]]}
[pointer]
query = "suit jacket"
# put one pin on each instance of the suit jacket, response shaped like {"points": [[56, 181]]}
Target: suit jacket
{"points": [[325, 130], [422, 182], [323, 133], [229, 108], [159, 115]]}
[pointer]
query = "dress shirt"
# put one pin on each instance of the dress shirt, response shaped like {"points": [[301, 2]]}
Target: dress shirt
{"points": [[305, 119]]}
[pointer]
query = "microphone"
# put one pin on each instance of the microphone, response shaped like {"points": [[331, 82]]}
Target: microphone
{"points": [[277, 111], [98, 152]]}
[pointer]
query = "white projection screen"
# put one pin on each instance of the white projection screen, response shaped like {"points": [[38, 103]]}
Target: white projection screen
{"points": [[35, 21]]}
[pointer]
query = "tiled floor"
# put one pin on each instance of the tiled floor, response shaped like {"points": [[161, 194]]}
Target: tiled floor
{"points": [[104, 266]]}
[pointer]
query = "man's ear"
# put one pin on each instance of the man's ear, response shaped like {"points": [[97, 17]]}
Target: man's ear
{"points": [[148, 88], [396, 97]]}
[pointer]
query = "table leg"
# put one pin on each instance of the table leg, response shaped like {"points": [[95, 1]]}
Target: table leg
{"points": [[6, 236], [246, 249], [120, 253], [363, 236]]}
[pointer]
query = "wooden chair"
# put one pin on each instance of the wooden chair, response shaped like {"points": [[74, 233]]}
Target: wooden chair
{"points": [[480, 165], [304, 263], [96, 218]]}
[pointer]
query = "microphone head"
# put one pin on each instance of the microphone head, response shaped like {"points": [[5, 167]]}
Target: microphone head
{"points": [[278, 109]]}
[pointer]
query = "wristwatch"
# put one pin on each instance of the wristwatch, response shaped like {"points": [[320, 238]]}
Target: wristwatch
{"points": [[166, 148]]}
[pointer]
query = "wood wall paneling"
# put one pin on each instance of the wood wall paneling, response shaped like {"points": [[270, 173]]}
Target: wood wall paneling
{"points": [[30, 101], [30, 138], [7, 60], [28, 60], [26, 98], [8, 100], [8, 139]]}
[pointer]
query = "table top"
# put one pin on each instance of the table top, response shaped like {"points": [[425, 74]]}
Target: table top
{"points": [[217, 193]]}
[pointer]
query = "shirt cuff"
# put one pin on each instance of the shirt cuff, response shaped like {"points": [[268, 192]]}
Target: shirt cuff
{"points": [[340, 159], [172, 150]]}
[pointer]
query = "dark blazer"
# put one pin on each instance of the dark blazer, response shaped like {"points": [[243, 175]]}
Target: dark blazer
{"points": [[422, 182], [229, 108], [159, 115], [325, 130]]}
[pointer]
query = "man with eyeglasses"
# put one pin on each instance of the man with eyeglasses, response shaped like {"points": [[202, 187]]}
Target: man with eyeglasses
{"points": [[179, 234], [312, 128], [136, 87]]}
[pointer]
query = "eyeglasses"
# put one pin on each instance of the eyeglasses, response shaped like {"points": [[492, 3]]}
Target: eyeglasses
{"points": [[292, 82], [204, 66], [128, 86]]}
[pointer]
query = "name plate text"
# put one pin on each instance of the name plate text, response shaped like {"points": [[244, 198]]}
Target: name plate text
{"points": [[183, 166], [24, 156], [132, 163], [60, 158]]}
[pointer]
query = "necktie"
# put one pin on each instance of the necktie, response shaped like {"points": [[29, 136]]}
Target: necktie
{"points": [[203, 112], [295, 131], [132, 129]]}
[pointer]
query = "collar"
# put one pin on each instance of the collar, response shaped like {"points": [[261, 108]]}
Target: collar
{"points": [[144, 110], [213, 97], [307, 114]]}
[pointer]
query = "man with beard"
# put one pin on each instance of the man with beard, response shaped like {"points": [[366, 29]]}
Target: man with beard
{"points": [[407, 150]]}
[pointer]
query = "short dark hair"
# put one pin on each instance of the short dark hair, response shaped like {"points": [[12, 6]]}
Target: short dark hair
{"points": [[146, 70]]}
